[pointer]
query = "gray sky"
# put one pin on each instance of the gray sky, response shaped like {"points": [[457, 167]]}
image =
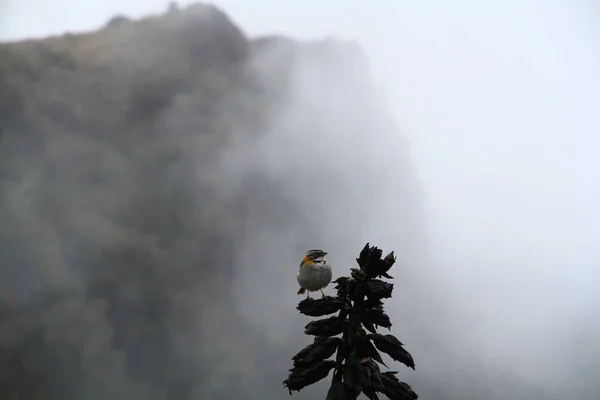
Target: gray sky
{"points": [[500, 101]]}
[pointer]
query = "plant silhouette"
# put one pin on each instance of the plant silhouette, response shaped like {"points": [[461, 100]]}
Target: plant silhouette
{"points": [[360, 311]]}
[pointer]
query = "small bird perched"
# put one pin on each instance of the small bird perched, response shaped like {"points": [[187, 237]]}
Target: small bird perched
{"points": [[315, 272]]}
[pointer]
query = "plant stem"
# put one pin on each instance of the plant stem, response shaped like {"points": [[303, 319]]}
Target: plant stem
{"points": [[353, 360]]}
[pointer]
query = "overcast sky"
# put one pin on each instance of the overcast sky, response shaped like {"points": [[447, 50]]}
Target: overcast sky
{"points": [[501, 101]]}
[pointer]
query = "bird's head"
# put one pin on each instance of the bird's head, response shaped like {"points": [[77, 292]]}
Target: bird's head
{"points": [[315, 255]]}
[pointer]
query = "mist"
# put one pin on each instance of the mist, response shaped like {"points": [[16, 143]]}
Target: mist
{"points": [[484, 175]]}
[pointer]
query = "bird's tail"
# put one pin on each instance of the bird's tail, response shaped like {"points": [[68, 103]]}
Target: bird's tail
{"points": [[301, 291]]}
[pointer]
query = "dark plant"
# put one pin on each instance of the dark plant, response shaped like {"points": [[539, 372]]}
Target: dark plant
{"points": [[360, 309]]}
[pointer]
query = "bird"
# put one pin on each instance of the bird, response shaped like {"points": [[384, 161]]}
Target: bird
{"points": [[315, 272]]}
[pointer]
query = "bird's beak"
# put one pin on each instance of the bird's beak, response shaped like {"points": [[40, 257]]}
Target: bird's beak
{"points": [[324, 253]]}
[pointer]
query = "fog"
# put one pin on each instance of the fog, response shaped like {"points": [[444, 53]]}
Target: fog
{"points": [[497, 105]]}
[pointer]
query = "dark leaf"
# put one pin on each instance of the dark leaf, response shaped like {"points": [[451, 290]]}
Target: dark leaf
{"points": [[378, 289], [322, 348], [375, 253], [358, 292], [390, 345], [342, 286], [370, 375], [396, 390], [371, 303], [326, 327], [370, 260], [382, 270], [389, 261], [369, 326], [340, 391], [345, 287], [378, 317], [363, 257], [357, 274], [371, 395], [374, 264], [299, 378], [366, 349], [342, 280], [320, 307]]}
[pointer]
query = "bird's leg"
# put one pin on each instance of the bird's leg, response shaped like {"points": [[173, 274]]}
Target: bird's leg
{"points": [[322, 293], [308, 294]]}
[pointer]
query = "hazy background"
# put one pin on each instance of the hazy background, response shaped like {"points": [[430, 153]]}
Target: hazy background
{"points": [[500, 104]]}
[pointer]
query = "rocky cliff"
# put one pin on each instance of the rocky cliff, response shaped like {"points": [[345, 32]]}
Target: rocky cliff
{"points": [[160, 178]]}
